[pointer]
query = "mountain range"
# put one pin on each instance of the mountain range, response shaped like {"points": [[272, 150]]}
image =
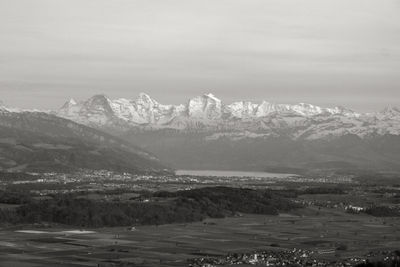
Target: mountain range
{"points": [[205, 133], [242, 119]]}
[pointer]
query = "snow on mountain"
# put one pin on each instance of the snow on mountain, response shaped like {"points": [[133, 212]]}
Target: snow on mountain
{"points": [[242, 109], [6, 109], [245, 119], [70, 108], [206, 107], [389, 112]]}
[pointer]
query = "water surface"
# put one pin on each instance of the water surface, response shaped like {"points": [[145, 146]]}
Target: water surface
{"points": [[214, 173]]}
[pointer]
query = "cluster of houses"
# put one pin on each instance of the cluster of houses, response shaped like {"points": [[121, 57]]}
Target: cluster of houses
{"points": [[293, 257]]}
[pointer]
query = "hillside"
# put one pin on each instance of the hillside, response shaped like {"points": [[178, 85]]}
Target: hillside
{"points": [[39, 142]]}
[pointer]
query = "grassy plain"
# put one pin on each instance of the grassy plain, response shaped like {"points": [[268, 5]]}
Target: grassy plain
{"points": [[319, 229]]}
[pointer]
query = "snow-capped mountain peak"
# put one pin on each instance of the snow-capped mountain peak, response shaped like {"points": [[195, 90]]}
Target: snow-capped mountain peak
{"points": [[391, 110], [97, 104], [242, 109], [69, 104], [72, 102], [213, 97], [145, 99], [206, 106], [388, 113], [98, 100]]}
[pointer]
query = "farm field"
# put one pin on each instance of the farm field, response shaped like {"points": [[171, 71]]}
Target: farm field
{"points": [[321, 230]]}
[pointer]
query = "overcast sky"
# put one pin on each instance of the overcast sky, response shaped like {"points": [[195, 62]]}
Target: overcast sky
{"points": [[325, 52]]}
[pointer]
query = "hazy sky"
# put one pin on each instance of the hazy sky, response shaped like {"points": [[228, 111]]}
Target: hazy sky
{"points": [[323, 52]]}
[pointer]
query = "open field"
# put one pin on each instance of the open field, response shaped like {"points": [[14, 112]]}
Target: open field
{"points": [[321, 230]]}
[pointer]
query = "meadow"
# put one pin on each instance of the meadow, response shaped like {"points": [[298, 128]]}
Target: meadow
{"points": [[321, 230]]}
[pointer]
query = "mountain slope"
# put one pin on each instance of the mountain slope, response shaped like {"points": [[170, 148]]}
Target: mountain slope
{"points": [[35, 141], [195, 151]]}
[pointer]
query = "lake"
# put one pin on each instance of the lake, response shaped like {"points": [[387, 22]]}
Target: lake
{"points": [[214, 173]]}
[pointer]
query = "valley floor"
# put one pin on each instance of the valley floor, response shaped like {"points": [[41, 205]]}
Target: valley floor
{"points": [[317, 231]]}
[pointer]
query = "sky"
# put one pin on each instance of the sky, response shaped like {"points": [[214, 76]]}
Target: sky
{"points": [[324, 52]]}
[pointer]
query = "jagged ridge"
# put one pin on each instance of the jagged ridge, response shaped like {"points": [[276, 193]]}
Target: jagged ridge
{"points": [[208, 113]]}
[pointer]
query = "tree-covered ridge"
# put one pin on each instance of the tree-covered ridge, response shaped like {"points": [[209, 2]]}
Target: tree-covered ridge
{"points": [[160, 208]]}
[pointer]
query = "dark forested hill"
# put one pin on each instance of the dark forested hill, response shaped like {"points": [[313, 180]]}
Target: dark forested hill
{"points": [[34, 141]]}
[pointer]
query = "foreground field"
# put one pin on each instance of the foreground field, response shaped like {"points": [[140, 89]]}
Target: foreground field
{"points": [[321, 230]]}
